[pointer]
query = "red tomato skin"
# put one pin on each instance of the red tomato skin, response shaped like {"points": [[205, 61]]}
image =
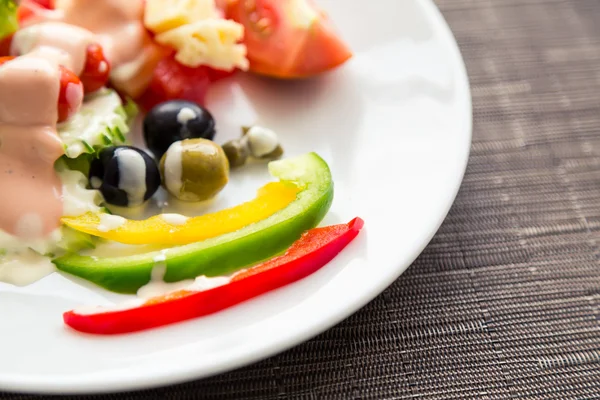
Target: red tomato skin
{"points": [[31, 11], [49, 4], [6, 59], [25, 11], [69, 100], [171, 81], [5, 45], [277, 48], [96, 70]]}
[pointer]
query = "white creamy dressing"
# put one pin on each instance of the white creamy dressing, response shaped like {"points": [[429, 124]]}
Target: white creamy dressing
{"points": [[173, 168], [24, 267], [203, 283], [40, 245], [262, 141], [103, 67], [174, 219], [74, 95], [76, 148], [126, 305], [116, 249], [95, 182], [134, 182], [77, 199], [162, 257], [158, 287], [110, 222], [185, 115]]}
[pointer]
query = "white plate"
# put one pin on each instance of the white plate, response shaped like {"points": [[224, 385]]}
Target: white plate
{"points": [[395, 126]]}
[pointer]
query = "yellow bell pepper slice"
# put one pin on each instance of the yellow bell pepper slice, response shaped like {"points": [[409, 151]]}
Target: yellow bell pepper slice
{"points": [[272, 197]]}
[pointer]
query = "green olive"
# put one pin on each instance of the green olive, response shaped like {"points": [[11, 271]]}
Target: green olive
{"points": [[237, 153], [194, 169]]}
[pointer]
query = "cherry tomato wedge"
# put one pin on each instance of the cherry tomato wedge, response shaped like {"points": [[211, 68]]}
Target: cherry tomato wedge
{"points": [[70, 94], [171, 81], [26, 10], [5, 43], [288, 38], [45, 3], [6, 59], [96, 70], [31, 11]]}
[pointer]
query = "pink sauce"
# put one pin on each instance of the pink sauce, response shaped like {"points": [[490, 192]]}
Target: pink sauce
{"points": [[57, 42], [119, 29], [31, 200], [31, 190], [109, 20]]}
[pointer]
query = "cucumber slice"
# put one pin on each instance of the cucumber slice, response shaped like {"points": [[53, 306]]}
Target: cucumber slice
{"points": [[81, 163], [63, 240], [73, 240], [77, 200], [102, 121]]}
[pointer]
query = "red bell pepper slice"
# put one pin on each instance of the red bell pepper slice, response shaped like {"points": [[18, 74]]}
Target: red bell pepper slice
{"points": [[308, 254]]}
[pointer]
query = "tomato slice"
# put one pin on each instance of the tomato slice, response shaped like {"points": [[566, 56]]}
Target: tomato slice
{"points": [[70, 96], [32, 11], [6, 59], [288, 38], [45, 3], [171, 81], [5, 43], [96, 70]]}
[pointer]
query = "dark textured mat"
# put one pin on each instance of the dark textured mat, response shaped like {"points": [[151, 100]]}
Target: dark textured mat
{"points": [[504, 302]]}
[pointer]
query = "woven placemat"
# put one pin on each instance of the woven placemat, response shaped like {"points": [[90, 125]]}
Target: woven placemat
{"points": [[504, 302]]}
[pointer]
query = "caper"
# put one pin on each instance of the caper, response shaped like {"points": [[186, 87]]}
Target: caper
{"points": [[261, 141], [194, 169], [257, 142], [245, 130], [236, 152], [274, 155]]}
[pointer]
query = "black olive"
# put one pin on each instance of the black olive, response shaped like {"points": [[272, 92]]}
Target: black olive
{"points": [[126, 176], [176, 120]]}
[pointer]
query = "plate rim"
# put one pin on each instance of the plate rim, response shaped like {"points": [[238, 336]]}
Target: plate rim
{"points": [[77, 386]]}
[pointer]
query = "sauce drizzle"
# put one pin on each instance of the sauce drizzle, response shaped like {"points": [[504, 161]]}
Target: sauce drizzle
{"points": [[31, 200]]}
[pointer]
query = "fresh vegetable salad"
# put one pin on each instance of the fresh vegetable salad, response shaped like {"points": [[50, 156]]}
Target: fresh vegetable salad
{"points": [[75, 74]]}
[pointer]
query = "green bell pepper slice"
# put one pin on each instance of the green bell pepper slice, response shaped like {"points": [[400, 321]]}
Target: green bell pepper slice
{"points": [[227, 253]]}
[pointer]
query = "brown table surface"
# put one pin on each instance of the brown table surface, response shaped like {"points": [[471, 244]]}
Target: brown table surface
{"points": [[505, 301]]}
